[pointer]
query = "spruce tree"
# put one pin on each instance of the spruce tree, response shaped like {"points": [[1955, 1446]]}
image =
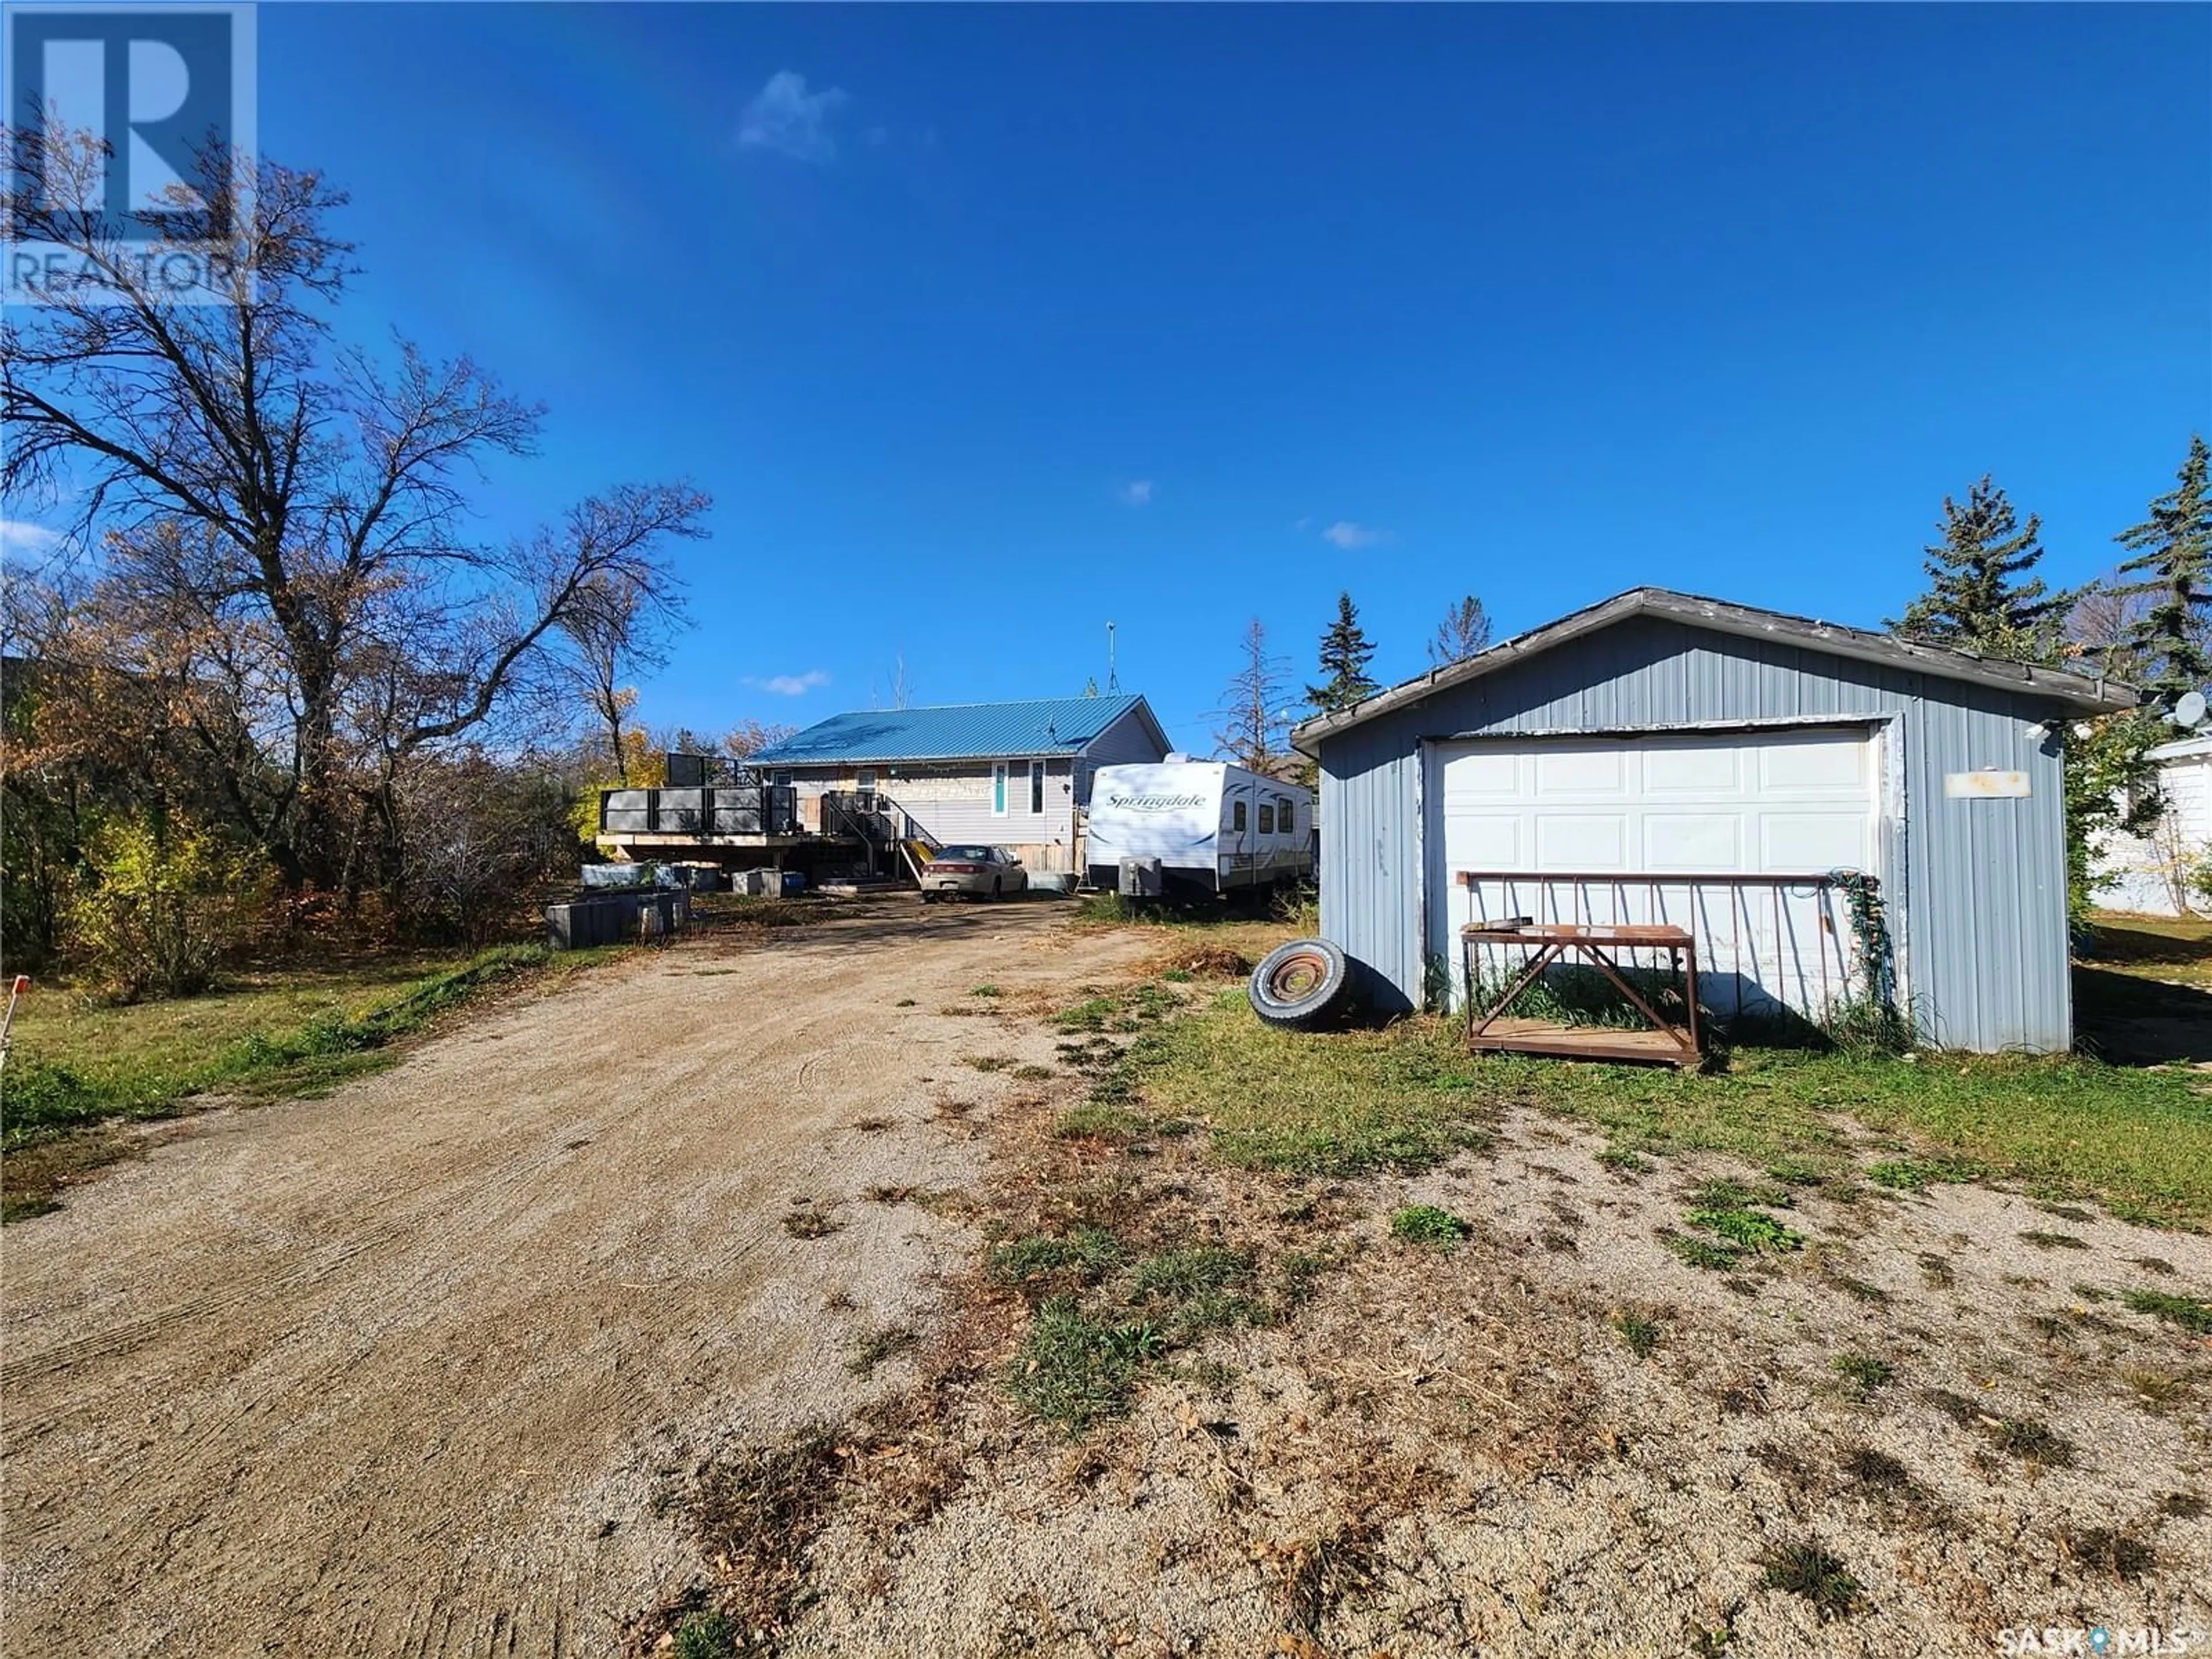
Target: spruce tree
{"points": [[1980, 596], [1345, 649], [2174, 560]]}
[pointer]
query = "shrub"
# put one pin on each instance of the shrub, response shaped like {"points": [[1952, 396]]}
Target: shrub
{"points": [[162, 903]]}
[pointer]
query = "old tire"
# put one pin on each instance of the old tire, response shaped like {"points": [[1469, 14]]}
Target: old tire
{"points": [[1303, 985]]}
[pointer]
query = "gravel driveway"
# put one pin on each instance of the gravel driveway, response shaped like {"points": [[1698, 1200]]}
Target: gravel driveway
{"points": [[404, 1369]]}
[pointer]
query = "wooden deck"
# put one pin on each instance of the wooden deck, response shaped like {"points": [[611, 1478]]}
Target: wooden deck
{"points": [[1541, 1037]]}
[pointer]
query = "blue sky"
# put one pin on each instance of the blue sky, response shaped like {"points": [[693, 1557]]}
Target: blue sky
{"points": [[985, 325]]}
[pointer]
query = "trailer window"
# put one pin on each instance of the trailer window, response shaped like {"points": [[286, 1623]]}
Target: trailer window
{"points": [[1287, 820], [1267, 820], [1236, 816]]}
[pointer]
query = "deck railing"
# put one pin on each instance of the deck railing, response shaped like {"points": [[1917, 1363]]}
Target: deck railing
{"points": [[872, 817], [737, 810], [1769, 947]]}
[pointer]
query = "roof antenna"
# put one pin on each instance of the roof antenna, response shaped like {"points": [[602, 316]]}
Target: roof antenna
{"points": [[1112, 679]]}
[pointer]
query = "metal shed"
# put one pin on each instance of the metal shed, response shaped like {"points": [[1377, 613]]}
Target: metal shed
{"points": [[1661, 757]]}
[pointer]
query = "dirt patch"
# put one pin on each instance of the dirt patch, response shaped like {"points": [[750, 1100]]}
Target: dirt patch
{"points": [[1893, 1420], [420, 1367]]}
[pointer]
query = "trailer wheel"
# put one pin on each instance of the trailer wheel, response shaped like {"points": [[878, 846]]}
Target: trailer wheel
{"points": [[1303, 985]]}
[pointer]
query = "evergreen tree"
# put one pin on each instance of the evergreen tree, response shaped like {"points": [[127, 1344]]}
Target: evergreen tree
{"points": [[2174, 558], [1463, 633], [1345, 649], [1980, 596]]}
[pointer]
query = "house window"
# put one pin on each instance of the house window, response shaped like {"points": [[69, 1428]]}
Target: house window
{"points": [[1236, 816], [780, 780], [1267, 820], [1036, 786], [867, 781], [998, 790]]}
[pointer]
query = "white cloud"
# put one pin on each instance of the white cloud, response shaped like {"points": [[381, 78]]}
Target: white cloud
{"points": [[1350, 535], [1138, 492], [791, 685], [787, 118], [21, 539]]}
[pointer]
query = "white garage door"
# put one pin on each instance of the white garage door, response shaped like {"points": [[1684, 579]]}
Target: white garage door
{"points": [[1577, 829]]}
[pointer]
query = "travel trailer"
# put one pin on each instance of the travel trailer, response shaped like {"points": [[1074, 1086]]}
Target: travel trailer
{"points": [[1180, 826]]}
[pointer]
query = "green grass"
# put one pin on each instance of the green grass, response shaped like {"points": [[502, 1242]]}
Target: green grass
{"points": [[1075, 1370], [1808, 1569], [1340, 1103], [1914, 1175], [73, 1066], [1191, 1291], [2166, 948], [79, 1067], [1640, 1331], [2138, 1139], [1725, 1209], [1864, 1372], [706, 1636], [1090, 1252], [2186, 1311], [1424, 1224]]}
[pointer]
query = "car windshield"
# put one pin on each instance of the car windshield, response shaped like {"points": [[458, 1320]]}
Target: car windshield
{"points": [[982, 854]]}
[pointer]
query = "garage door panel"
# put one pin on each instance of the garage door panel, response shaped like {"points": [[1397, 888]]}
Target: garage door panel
{"points": [[1693, 769], [1799, 842], [1692, 840], [1805, 766], [1741, 803], [1483, 841], [1483, 775], [1592, 841], [1571, 770]]}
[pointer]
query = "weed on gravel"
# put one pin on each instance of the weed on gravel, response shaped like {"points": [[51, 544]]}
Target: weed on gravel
{"points": [[1424, 1224], [1808, 1569]]}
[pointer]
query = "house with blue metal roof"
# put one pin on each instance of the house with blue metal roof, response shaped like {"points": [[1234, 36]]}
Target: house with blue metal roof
{"points": [[1015, 774]]}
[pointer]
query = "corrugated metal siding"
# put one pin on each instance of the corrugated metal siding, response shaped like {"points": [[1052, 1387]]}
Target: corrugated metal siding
{"points": [[1981, 918]]}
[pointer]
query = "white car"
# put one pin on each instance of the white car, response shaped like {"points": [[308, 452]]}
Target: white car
{"points": [[973, 872]]}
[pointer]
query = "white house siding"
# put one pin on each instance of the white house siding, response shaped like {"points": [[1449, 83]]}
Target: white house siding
{"points": [[1977, 887], [957, 807], [2150, 874], [953, 802], [1128, 741]]}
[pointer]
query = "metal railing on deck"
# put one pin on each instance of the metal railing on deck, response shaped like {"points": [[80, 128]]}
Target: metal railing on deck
{"points": [[873, 816], [1768, 945], [737, 810]]}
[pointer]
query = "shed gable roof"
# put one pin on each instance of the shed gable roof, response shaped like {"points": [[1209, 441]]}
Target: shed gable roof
{"points": [[2077, 691], [974, 731]]}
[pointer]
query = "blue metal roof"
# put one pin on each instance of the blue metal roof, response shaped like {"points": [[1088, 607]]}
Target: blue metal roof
{"points": [[1050, 726]]}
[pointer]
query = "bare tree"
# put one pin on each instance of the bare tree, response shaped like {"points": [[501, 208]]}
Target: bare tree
{"points": [[748, 738], [1463, 633], [2099, 625], [1255, 726], [620, 630], [286, 514]]}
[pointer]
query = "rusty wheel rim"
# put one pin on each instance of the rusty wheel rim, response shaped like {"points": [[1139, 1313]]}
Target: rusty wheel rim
{"points": [[1297, 976]]}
